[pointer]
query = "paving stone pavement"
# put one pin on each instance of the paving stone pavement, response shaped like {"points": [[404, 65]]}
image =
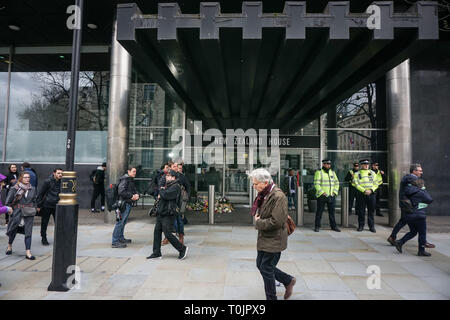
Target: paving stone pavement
{"points": [[221, 265]]}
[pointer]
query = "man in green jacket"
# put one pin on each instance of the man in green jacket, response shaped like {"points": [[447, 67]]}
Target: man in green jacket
{"points": [[326, 184]]}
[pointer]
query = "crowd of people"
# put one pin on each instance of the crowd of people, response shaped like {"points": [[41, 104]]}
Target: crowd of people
{"points": [[170, 188]]}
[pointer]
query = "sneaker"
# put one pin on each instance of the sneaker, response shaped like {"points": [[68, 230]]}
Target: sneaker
{"points": [[429, 245], [316, 229], [119, 245], [125, 240], [103, 209], [155, 256], [94, 210], [391, 240], [424, 254], [183, 253]]}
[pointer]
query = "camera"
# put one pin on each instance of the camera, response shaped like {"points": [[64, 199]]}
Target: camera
{"points": [[118, 207]]}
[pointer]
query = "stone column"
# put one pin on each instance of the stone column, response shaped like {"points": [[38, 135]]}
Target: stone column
{"points": [[398, 101]]}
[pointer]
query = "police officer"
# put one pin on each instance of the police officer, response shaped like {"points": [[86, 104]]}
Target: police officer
{"points": [[380, 175], [366, 184], [351, 184], [326, 184]]}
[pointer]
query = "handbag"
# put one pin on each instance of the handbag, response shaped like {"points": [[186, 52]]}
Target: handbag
{"points": [[290, 225], [28, 211]]}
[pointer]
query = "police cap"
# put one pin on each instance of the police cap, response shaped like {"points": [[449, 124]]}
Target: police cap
{"points": [[326, 161], [364, 161]]}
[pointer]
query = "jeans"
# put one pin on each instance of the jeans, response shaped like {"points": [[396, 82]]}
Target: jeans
{"points": [[98, 190], [292, 200], [117, 235], [362, 201], [331, 204], [45, 214], [400, 224], [179, 224], [164, 224], [266, 263], [417, 224]]}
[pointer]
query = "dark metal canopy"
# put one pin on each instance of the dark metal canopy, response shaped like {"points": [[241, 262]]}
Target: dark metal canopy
{"points": [[270, 70]]}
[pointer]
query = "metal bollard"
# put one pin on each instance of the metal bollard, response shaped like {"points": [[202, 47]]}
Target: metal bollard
{"points": [[344, 207], [300, 209], [211, 202]]}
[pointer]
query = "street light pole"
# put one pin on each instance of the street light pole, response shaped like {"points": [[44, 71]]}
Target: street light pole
{"points": [[66, 222]]}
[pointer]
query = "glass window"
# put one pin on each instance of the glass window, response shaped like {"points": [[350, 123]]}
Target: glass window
{"points": [[37, 124], [3, 88]]}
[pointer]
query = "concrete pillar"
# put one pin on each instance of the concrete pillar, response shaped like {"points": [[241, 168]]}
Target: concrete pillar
{"points": [[119, 93], [398, 100]]}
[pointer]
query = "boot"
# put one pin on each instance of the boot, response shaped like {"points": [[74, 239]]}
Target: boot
{"points": [[44, 241], [391, 240], [398, 246], [423, 253], [165, 242], [181, 238]]}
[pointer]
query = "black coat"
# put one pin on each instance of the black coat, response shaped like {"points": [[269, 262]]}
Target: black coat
{"points": [[169, 202], [48, 195], [126, 188]]}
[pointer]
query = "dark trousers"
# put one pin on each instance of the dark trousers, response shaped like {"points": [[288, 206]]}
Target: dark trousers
{"points": [[351, 198], [164, 224], [266, 263], [400, 224], [45, 215], [98, 190], [331, 204], [363, 201], [417, 224], [28, 231]]}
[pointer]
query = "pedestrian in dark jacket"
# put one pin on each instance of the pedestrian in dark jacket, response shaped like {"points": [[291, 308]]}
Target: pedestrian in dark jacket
{"points": [[415, 173], [33, 176], [98, 181], [10, 181], [416, 215], [168, 207], [3, 209], [270, 210], [129, 195], [22, 198], [47, 199]]}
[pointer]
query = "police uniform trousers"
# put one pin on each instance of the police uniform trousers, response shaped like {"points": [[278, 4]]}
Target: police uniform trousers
{"points": [[363, 201], [331, 203]]}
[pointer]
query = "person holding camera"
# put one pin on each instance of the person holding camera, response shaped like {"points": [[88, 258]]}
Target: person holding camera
{"points": [[128, 195], [22, 198], [168, 207]]}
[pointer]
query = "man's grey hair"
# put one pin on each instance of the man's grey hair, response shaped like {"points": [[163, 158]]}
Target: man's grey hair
{"points": [[261, 175], [414, 167]]}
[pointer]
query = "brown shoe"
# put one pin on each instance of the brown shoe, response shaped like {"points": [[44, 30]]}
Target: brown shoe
{"points": [[181, 238], [429, 245], [165, 242], [391, 241], [289, 289]]}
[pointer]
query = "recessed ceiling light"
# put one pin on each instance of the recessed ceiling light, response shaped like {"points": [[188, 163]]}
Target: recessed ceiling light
{"points": [[14, 27], [2, 57], [62, 57], [92, 26]]}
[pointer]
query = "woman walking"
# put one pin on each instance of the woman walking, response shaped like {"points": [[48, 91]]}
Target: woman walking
{"points": [[22, 198], [270, 209]]}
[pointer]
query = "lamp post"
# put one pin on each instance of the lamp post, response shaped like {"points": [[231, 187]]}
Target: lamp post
{"points": [[66, 222]]}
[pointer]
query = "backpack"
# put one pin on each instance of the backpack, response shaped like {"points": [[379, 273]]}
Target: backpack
{"points": [[112, 195]]}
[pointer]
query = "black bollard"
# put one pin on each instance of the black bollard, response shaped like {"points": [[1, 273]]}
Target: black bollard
{"points": [[65, 240]]}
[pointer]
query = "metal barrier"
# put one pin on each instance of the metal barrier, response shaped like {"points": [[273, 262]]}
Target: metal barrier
{"points": [[344, 207], [299, 221], [211, 202]]}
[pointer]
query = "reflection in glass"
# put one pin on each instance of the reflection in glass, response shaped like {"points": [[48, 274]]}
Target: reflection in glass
{"points": [[3, 88], [37, 124]]}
